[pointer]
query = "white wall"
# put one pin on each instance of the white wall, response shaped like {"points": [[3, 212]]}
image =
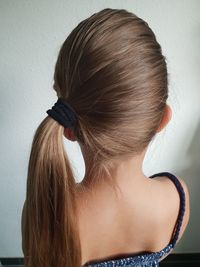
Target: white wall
{"points": [[31, 35]]}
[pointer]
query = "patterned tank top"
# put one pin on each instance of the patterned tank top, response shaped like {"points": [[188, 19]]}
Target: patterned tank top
{"points": [[149, 259]]}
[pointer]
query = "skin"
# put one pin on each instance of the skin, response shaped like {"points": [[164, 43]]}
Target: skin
{"points": [[111, 226], [118, 223], [131, 169]]}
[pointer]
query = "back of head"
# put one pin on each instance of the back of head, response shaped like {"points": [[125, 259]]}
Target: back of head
{"points": [[111, 70]]}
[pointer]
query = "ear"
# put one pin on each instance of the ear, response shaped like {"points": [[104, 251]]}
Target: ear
{"points": [[166, 118], [69, 134]]}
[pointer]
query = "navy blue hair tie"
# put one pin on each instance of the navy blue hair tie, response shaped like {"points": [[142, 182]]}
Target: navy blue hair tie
{"points": [[63, 113]]}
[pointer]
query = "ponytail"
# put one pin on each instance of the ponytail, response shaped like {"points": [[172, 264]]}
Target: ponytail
{"points": [[50, 230]]}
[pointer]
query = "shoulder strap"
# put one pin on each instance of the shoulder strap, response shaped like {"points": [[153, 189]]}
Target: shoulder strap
{"points": [[179, 187]]}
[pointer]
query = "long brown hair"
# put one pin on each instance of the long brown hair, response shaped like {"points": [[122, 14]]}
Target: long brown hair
{"points": [[111, 70]]}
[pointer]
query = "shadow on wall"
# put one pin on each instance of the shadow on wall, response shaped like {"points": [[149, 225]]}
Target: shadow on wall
{"points": [[191, 175]]}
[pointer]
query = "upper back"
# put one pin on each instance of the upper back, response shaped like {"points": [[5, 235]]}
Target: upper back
{"points": [[143, 222]]}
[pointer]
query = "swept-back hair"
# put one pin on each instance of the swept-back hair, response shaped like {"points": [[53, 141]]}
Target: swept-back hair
{"points": [[111, 70]]}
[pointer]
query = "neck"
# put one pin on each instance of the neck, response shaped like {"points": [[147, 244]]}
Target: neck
{"points": [[126, 174]]}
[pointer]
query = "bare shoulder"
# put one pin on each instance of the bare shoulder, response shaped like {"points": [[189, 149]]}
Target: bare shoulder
{"points": [[187, 207], [170, 193], [170, 206]]}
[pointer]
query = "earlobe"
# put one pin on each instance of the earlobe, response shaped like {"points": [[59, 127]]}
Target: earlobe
{"points": [[69, 134], [166, 118]]}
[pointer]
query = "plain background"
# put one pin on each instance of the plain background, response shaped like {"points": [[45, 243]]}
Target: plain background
{"points": [[31, 35]]}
